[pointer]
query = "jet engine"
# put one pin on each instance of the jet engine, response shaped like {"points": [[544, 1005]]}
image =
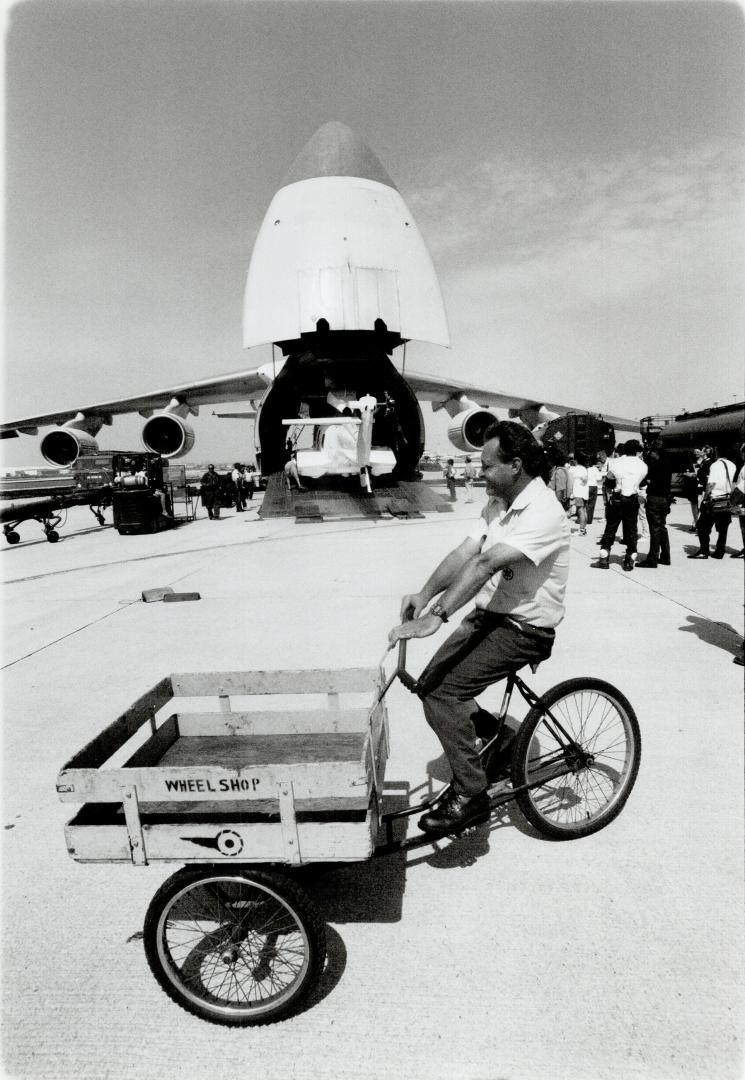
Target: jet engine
{"points": [[467, 429], [65, 444], [168, 434]]}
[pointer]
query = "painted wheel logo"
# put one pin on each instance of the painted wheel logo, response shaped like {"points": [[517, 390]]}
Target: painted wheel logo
{"points": [[229, 842], [508, 573]]}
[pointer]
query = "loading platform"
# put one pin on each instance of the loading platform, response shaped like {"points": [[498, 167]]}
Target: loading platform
{"points": [[341, 498]]}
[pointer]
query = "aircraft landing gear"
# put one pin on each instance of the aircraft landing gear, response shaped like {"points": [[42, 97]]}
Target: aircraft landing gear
{"points": [[12, 536], [49, 525]]}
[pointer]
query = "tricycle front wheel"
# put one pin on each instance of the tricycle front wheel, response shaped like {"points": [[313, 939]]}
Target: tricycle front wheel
{"points": [[236, 946]]}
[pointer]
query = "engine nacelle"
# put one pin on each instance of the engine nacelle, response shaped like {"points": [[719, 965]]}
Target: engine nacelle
{"points": [[467, 429], [64, 445], [168, 434]]}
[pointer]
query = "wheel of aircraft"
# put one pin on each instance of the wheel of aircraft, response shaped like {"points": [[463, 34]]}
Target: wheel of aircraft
{"points": [[52, 536], [12, 537]]}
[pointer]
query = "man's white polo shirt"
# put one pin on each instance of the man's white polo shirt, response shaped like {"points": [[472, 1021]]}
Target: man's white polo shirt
{"points": [[531, 591], [629, 471], [721, 476]]}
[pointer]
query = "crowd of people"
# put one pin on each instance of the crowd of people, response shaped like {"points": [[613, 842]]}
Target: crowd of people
{"points": [[235, 488], [635, 484]]}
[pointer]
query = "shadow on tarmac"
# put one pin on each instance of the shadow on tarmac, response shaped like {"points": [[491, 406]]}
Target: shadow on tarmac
{"points": [[722, 635]]}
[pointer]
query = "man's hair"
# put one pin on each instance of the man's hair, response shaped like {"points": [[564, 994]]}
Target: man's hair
{"points": [[633, 446], [515, 440]]}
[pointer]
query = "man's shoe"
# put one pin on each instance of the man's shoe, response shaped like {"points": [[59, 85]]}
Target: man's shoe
{"points": [[456, 812], [717, 555], [664, 562], [699, 555], [738, 555], [645, 564], [601, 564], [628, 563]]}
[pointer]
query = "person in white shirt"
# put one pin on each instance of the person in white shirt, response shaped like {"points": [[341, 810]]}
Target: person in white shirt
{"points": [[739, 500], [237, 491], [580, 489], [719, 484], [603, 463], [469, 475], [593, 483], [627, 471], [514, 562]]}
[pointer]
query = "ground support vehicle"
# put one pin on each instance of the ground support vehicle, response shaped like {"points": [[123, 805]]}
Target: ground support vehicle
{"points": [[246, 795]]}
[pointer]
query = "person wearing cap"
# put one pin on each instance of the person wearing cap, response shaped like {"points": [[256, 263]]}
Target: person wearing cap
{"points": [[514, 562], [210, 489]]}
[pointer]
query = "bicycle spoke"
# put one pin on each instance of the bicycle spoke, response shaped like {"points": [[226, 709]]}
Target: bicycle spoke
{"points": [[234, 945], [573, 783]]}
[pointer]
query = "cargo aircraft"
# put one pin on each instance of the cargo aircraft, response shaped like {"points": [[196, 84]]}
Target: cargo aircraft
{"points": [[339, 279]]}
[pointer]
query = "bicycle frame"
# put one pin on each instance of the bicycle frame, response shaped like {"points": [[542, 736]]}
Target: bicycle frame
{"points": [[570, 754]]}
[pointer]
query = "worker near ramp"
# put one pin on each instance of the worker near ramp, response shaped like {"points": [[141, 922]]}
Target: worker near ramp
{"points": [[210, 489], [515, 562]]}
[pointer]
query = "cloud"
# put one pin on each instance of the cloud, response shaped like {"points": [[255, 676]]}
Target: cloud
{"points": [[584, 228]]}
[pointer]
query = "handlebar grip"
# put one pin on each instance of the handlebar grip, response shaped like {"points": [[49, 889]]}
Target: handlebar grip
{"points": [[407, 680]]}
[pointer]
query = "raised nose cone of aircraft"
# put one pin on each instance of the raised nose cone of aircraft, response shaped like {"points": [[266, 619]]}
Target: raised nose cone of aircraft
{"points": [[335, 150], [339, 244]]}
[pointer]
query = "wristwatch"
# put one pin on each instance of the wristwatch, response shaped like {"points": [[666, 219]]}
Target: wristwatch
{"points": [[439, 611]]}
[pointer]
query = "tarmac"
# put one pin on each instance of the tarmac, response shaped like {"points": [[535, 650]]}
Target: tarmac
{"points": [[496, 956]]}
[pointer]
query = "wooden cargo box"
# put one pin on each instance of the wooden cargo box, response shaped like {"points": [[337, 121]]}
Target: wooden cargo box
{"points": [[194, 771]]}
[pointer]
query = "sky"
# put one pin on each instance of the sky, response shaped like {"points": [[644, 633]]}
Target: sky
{"points": [[576, 171]]}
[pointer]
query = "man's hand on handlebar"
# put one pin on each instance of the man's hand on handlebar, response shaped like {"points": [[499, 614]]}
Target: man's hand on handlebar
{"points": [[415, 628], [412, 606]]}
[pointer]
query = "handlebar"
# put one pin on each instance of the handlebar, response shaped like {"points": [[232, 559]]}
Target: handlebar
{"points": [[408, 680], [399, 672]]}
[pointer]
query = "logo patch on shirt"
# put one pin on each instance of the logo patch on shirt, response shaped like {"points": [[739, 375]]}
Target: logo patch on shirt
{"points": [[508, 573]]}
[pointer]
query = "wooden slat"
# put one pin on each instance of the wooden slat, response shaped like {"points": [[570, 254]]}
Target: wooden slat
{"points": [[153, 750], [100, 749], [172, 784], [276, 722], [269, 807], [215, 683], [197, 843]]}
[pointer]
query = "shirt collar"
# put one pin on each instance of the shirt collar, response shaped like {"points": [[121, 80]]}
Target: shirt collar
{"points": [[526, 495]]}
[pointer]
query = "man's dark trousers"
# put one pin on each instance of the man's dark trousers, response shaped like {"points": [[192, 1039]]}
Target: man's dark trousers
{"points": [[622, 510], [706, 521], [657, 509], [484, 649]]}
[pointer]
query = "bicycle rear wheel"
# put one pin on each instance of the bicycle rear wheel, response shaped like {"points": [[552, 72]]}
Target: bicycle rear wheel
{"points": [[580, 751], [234, 946]]}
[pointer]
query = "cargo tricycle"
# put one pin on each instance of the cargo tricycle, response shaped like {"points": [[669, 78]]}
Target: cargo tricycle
{"points": [[246, 776]]}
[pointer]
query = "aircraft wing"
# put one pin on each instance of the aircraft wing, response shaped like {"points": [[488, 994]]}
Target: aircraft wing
{"points": [[235, 386], [440, 391]]}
